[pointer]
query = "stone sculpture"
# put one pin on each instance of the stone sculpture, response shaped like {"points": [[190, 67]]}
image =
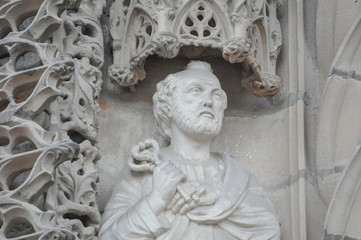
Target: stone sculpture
{"points": [[184, 191], [244, 31], [50, 55]]}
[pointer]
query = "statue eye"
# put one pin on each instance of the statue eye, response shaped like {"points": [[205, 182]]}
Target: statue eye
{"points": [[195, 91], [217, 96]]}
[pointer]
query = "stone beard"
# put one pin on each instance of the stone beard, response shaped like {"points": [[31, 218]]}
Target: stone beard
{"points": [[184, 191], [205, 122]]}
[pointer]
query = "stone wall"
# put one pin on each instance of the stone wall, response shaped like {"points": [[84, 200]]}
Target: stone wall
{"points": [[301, 143]]}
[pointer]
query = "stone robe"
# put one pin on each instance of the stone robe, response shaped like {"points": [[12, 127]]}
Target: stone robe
{"points": [[241, 210]]}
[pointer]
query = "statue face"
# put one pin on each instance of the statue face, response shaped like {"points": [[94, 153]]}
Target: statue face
{"points": [[198, 105]]}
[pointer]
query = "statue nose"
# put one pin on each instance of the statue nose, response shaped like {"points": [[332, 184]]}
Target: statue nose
{"points": [[208, 102]]}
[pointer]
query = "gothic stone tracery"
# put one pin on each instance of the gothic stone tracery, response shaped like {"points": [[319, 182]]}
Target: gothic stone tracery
{"points": [[50, 55], [246, 31]]}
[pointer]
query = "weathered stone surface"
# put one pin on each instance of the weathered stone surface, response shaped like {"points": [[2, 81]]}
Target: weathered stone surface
{"points": [[246, 32], [299, 142], [48, 130], [339, 139], [191, 192]]}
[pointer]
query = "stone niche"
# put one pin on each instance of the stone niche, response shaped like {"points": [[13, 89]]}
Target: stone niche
{"points": [[76, 86], [255, 128], [249, 130]]}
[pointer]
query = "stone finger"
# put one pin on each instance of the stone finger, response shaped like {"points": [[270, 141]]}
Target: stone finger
{"points": [[178, 206], [139, 167], [174, 200], [163, 164], [176, 175], [154, 159], [152, 167], [169, 169], [186, 197], [179, 177], [141, 146], [187, 207], [142, 157], [135, 150], [149, 143]]}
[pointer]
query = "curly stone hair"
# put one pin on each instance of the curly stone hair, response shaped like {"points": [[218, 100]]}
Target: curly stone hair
{"points": [[163, 97], [162, 100]]}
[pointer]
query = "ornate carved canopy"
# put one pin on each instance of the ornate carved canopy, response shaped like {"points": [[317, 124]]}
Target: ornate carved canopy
{"points": [[246, 31]]}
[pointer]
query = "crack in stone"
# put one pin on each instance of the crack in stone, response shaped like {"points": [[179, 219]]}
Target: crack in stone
{"points": [[304, 174], [337, 237], [345, 74]]}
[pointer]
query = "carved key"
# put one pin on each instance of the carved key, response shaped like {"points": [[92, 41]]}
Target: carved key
{"points": [[145, 157]]}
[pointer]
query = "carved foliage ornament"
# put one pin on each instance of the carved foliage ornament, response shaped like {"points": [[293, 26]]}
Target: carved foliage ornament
{"points": [[246, 31], [50, 55]]}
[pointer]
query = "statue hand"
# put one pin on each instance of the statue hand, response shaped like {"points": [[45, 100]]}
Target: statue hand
{"points": [[166, 178], [144, 156], [179, 205]]}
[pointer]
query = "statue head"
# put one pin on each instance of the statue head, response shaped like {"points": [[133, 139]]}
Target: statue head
{"points": [[192, 100]]}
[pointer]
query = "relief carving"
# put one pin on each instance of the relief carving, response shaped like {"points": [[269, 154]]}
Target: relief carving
{"points": [[50, 55], [246, 31], [184, 191]]}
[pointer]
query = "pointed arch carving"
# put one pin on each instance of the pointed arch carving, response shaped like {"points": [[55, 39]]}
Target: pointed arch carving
{"points": [[133, 49], [200, 21], [338, 140], [226, 26]]}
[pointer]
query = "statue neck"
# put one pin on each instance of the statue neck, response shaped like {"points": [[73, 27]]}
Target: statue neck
{"points": [[194, 148]]}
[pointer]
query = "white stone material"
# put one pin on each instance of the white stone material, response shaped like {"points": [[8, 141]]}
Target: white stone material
{"points": [[50, 55], [338, 142], [184, 191], [246, 32], [301, 141]]}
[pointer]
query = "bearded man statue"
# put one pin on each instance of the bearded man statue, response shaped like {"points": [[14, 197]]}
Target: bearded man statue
{"points": [[185, 191]]}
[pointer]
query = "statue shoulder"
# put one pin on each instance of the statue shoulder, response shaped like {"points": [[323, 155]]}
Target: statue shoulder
{"points": [[131, 183], [231, 161], [239, 168]]}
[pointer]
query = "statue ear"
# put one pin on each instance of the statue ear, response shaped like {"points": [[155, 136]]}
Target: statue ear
{"points": [[166, 110], [225, 102]]}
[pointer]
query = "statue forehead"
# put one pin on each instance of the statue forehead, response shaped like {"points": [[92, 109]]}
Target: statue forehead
{"points": [[200, 76]]}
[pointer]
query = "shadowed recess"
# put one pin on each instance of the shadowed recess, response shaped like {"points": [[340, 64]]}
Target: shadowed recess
{"points": [[19, 227], [24, 146]]}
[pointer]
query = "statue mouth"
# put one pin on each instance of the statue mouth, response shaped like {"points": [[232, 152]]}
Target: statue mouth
{"points": [[207, 114]]}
